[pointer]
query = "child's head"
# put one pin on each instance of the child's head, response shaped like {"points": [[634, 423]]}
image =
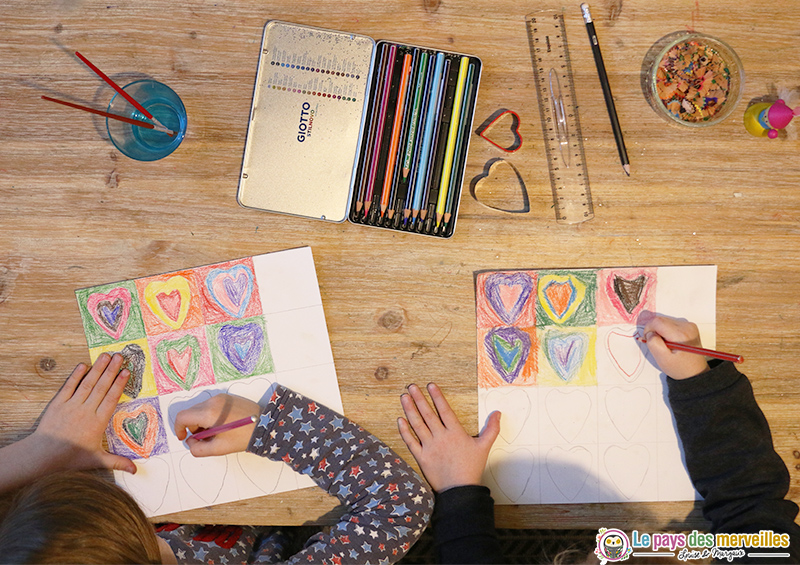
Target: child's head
{"points": [[76, 518]]}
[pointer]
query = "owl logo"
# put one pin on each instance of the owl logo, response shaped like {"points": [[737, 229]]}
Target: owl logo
{"points": [[612, 545]]}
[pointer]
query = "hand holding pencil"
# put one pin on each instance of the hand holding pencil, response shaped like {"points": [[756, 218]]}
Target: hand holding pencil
{"points": [[675, 363], [215, 412]]}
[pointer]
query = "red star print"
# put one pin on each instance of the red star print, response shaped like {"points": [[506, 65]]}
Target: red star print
{"points": [[287, 459], [336, 560], [354, 519], [355, 471], [310, 557], [312, 408], [408, 518], [281, 406], [344, 539], [281, 423], [381, 547], [406, 546], [323, 465], [274, 397], [331, 475], [395, 497], [392, 487]]}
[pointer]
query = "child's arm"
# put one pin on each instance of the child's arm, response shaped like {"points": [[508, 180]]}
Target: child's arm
{"points": [[390, 504], [69, 435], [726, 439], [453, 462]]}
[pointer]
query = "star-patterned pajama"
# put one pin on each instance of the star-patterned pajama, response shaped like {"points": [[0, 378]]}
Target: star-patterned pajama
{"points": [[389, 504]]}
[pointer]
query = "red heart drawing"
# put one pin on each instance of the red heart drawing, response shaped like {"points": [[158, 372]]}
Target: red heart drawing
{"points": [[483, 131]]}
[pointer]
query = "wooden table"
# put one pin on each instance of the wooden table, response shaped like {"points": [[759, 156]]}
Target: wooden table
{"points": [[400, 307]]}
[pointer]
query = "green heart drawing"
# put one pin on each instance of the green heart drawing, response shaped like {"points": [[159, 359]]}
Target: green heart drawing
{"points": [[169, 349], [136, 427]]}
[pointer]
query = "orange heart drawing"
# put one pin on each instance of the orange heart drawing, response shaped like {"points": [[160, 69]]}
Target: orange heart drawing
{"points": [[137, 428], [508, 139], [501, 187]]}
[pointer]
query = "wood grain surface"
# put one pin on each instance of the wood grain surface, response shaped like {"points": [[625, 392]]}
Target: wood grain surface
{"points": [[74, 212]]}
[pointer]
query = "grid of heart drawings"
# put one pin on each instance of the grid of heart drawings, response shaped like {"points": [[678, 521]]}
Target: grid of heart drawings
{"points": [[177, 331], [540, 327]]}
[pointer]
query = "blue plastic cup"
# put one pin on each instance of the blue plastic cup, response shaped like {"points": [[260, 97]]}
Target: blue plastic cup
{"points": [[140, 143]]}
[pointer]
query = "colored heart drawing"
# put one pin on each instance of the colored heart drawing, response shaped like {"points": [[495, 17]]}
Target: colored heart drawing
{"points": [[560, 296], [135, 362], [566, 352], [627, 467], [508, 349], [511, 471], [568, 411], [627, 409], [515, 407], [500, 187], [629, 292], [569, 469], [502, 136], [242, 345], [230, 289], [625, 353], [149, 485], [204, 475], [180, 359], [137, 428], [169, 300], [507, 294], [111, 310]]}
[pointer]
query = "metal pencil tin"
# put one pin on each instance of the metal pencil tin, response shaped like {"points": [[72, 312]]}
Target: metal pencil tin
{"points": [[312, 132]]}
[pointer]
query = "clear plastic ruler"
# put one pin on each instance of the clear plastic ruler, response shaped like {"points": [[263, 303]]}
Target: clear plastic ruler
{"points": [[558, 109]]}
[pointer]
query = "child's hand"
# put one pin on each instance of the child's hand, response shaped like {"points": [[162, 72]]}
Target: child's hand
{"points": [[72, 426], [215, 411], [676, 364], [447, 455]]}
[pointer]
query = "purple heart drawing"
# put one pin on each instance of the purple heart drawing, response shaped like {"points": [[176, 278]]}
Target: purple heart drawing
{"points": [[566, 352], [230, 289], [242, 345], [508, 349], [507, 294]]}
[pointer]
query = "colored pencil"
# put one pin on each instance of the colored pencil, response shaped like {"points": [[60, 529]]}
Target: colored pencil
{"points": [[224, 428], [395, 139], [435, 145], [371, 136], [699, 350], [379, 131], [427, 137], [609, 98], [449, 151], [116, 87], [412, 132], [460, 155], [131, 121], [412, 183], [400, 183]]}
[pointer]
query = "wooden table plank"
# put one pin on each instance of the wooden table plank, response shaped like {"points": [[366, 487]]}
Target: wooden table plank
{"points": [[400, 307]]}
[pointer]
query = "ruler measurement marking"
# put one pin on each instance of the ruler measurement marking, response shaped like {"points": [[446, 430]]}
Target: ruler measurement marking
{"points": [[570, 185]]}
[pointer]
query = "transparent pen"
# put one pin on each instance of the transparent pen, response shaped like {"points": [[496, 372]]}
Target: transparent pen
{"points": [[559, 116]]}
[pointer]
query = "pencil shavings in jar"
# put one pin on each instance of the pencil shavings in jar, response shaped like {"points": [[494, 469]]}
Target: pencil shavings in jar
{"points": [[692, 79]]}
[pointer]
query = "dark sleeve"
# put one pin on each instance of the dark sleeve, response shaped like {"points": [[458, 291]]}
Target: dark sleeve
{"points": [[389, 503], [463, 526], [730, 456]]}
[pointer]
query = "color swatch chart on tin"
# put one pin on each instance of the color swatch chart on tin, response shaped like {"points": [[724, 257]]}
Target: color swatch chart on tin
{"points": [[239, 327], [584, 410], [415, 139]]}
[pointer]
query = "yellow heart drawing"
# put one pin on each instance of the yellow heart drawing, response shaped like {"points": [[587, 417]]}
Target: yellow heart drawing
{"points": [[169, 300], [560, 296]]}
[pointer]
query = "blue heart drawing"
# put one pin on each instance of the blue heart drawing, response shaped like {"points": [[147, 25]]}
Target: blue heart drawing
{"points": [[566, 352], [508, 349], [498, 284], [242, 345]]}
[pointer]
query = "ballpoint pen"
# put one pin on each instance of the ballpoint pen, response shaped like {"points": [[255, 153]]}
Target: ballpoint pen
{"points": [[559, 116]]}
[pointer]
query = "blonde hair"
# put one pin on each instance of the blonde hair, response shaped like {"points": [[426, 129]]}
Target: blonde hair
{"points": [[76, 518]]}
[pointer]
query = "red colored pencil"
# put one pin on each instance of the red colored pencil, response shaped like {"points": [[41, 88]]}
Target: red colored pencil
{"points": [[395, 139], [116, 87], [224, 427], [700, 351], [131, 121]]}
